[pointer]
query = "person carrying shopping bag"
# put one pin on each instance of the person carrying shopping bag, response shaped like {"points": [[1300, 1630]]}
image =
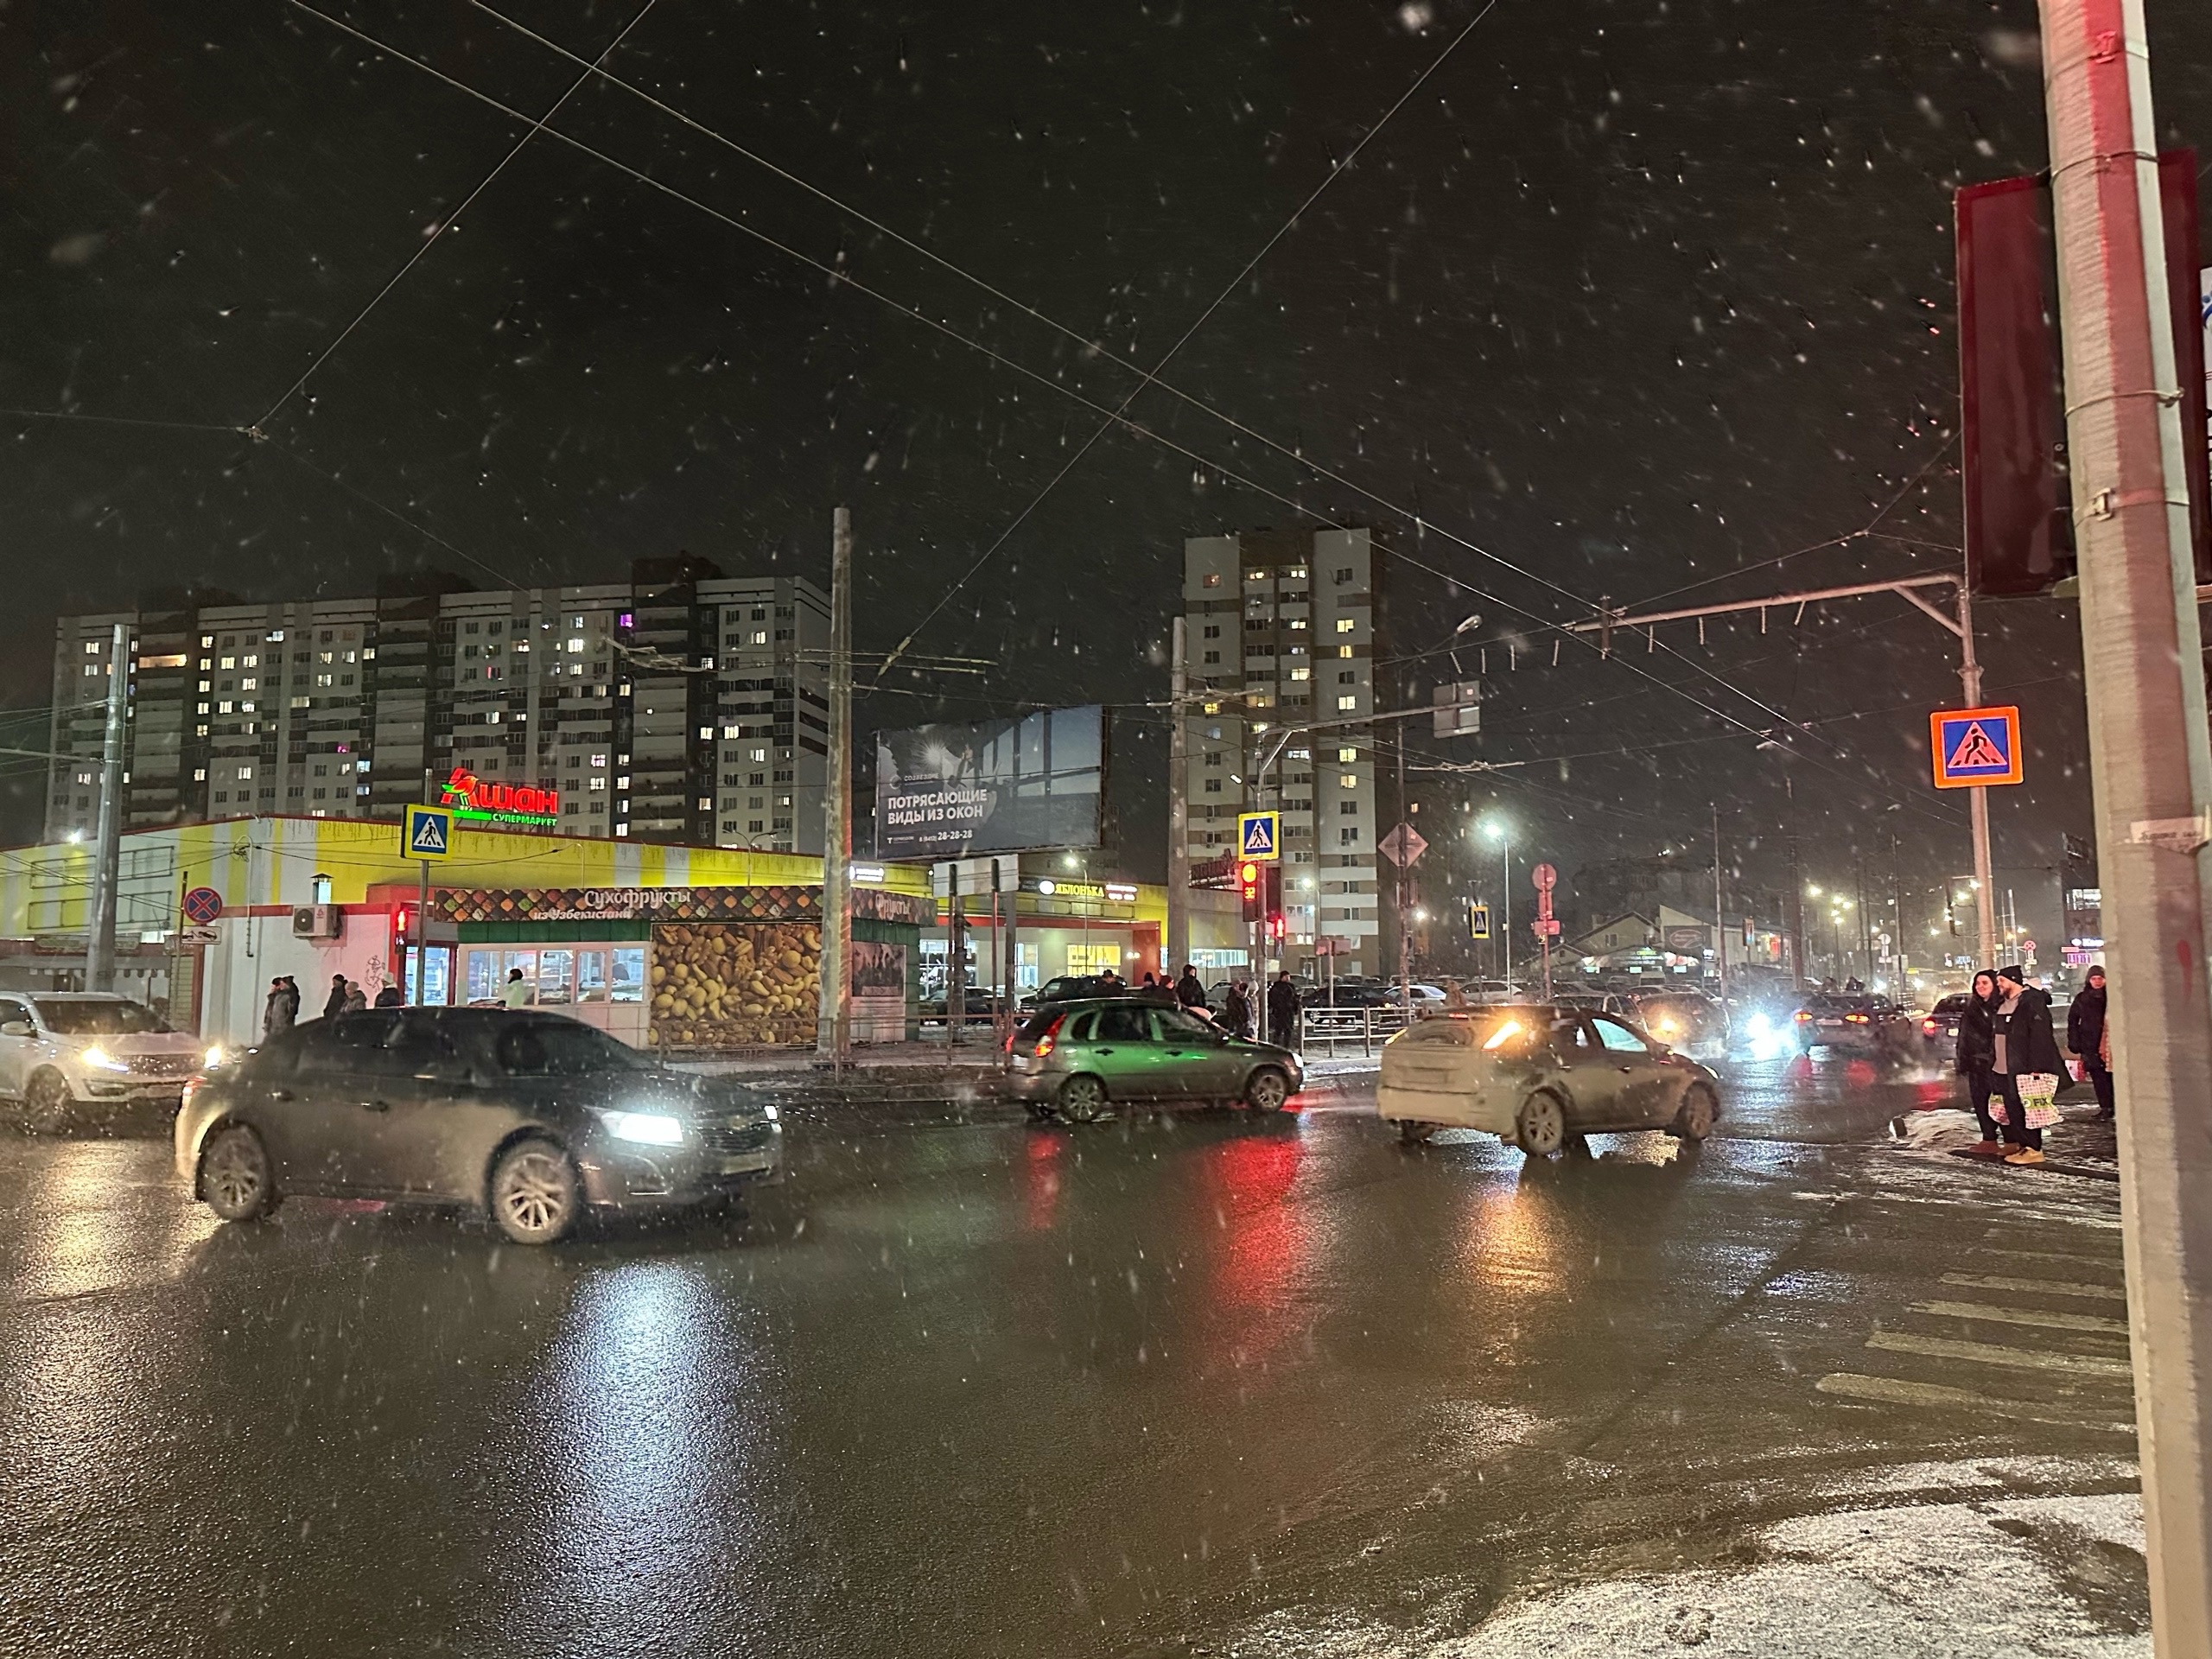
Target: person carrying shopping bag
{"points": [[2088, 1033], [2028, 1065]]}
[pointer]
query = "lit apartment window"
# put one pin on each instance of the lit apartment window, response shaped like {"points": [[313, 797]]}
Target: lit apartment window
{"points": [[1349, 780], [1347, 756], [1347, 704]]}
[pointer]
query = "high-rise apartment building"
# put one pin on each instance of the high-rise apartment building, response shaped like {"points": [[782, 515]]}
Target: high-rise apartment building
{"points": [[1280, 631], [681, 706]]}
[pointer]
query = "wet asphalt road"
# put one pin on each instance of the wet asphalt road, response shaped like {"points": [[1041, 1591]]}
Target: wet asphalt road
{"points": [[988, 1389]]}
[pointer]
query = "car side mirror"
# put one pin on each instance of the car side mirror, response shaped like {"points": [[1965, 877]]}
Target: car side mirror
{"points": [[18, 1028]]}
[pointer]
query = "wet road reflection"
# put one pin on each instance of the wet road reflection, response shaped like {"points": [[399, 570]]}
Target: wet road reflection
{"points": [[988, 1388]]}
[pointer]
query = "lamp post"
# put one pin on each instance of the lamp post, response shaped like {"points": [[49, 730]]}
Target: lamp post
{"points": [[1499, 831]]}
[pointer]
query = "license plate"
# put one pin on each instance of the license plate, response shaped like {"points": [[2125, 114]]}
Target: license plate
{"points": [[1831, 1024], [742, 1163]]}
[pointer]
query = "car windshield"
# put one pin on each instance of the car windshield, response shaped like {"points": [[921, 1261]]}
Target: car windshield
{"points": [[561, 1048], [91, 1017]]}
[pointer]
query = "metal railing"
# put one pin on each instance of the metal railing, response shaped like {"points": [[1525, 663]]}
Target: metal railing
{"points": [[1368, 1026]]}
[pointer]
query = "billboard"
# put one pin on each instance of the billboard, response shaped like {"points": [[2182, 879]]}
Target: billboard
{"points": [[1030, 781]]}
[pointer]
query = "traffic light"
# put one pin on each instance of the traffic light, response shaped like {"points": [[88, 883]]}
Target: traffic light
{"points": [[1271, 900], [1250, 889]]}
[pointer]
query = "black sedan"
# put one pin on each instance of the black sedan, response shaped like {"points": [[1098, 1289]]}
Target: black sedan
{"points": [[1850, 1023], [529, 1117]]}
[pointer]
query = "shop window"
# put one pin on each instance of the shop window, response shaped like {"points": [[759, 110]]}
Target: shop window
{"points": [[626, 974], [557, 977], [1094, 958]]}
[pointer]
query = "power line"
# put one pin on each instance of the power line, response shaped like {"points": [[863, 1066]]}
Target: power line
{"points": [[1234, 283], [447, 224], [118, 420]]}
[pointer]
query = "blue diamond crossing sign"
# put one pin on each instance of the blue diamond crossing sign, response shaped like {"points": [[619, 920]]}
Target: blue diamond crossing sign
{"points": [[1259, 835], [427, 833], [1974, 747]]}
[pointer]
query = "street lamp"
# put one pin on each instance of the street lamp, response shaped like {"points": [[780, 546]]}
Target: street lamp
{"points": [[1497, 830]]}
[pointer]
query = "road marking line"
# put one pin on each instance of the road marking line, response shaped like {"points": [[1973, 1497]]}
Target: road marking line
{"points": [[1896, 1391], [1986, 1353], [2112, 1261], [2050, 1287], [2036, 1316]]}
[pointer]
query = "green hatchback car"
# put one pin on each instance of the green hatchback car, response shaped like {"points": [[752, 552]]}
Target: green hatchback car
{"points": [[1076, 1061]]}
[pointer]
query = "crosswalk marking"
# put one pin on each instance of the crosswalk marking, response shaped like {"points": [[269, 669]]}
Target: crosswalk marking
{"points": [[1905, 1342], [2048, 1286], [1892, 1390], [2047, 1320]]}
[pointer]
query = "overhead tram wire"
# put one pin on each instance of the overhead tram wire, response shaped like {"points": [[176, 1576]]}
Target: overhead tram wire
{"points": [[121, 420], [445, 225], [1112, 416], [1234, 283]]}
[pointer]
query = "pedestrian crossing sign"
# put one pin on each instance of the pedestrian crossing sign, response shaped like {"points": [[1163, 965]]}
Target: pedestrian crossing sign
{"points": [[1259, 835], [427, 833], [1972, 747]]}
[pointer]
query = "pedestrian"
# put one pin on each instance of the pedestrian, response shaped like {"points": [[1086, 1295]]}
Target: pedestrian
{"points": [[1282, 1011], [335, 1004], [1976, 1057], [390, 996], [1236, 1010], [517, 991], [1188, 991], [291, 1001], [2085, 1028], [276, 1013], [2028, 1064], [356, 999]]}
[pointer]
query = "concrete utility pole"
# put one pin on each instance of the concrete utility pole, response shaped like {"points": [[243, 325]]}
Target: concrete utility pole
{"points": [[833, 1029], [1719, 921], [100, 943], [2150, 761], [1179, 804]]}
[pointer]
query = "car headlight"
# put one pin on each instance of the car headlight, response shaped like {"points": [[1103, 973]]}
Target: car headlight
{"points": [[214, 1057], [101, 1060], [649, 1129], [772, 1113]]}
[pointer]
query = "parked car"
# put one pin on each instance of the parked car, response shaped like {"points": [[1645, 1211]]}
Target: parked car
{"points": [[62, 1049], [529, 1117], [1078, 1060], [1852, 1023], [1539, 1074], [1075, 987]]}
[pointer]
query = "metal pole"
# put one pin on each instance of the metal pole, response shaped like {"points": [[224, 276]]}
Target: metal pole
{"points": [[1405, 954], [1984, 902], [833, 1026], [423, 934], [2149, 762], [1720, 922], [99, 944], [956, 960], [1178, 806]]}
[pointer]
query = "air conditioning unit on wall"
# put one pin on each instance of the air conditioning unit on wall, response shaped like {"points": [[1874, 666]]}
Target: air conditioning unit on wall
{"points": [[317, 921]]}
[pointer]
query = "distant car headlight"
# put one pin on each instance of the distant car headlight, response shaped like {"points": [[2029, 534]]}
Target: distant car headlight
{"points": [[772, 1113], [101, 1060], [648, 1128]]}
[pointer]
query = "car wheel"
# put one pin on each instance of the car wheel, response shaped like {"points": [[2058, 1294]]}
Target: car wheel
{"points": [[1083, 1100], [1698, 1108], [1266, 1090], [534, 1192], [47, 1102], [1411, 1133], [1540, 1126], [234, 1175]]}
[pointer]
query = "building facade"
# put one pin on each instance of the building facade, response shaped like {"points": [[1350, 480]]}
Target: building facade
{"points": [[681, 707], [1280, 629]]}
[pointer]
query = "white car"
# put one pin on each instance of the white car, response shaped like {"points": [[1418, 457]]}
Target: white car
{"points": [[59, 1050]]}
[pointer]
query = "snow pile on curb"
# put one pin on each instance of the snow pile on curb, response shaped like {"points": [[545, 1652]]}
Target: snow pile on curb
{"points": [[2048, 1578], [1934, 1131]]}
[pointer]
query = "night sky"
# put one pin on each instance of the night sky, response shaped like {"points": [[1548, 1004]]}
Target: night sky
{"points": [[1629, 296]]}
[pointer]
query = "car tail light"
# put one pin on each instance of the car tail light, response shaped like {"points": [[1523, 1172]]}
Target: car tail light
{"points": [[191, 1087], [1045, 1039], [1857, 1019], [1928, 1027], [1803, 1018]]}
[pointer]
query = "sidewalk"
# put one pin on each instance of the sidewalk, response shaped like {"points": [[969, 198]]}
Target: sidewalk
{"points": [[2083, 1144]]}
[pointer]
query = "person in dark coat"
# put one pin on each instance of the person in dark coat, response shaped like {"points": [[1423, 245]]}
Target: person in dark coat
{"points": [[1282, 1011], [1188, 991], [2025, 1043], [335, 1004], [1236, 1010], [1977, 1055], [2085, 1035], [390, 996], [279, 1011]]}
